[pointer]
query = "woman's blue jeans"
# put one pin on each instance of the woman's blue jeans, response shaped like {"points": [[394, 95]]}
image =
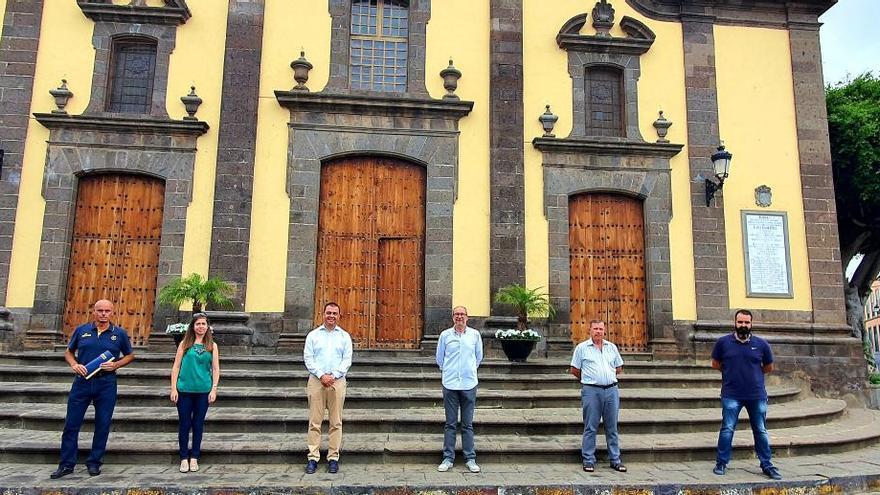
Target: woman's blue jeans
{"points": [[757, 409], [191, 409]]}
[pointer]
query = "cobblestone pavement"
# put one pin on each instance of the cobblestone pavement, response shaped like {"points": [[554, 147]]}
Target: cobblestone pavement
{"points": [[851, 472]]}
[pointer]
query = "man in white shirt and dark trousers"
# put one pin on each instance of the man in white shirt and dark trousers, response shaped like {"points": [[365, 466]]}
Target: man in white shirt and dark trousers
{"points": [[327, 356], [596, 363], [459, 353]]}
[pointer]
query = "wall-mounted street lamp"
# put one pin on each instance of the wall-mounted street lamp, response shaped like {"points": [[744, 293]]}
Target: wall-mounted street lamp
{"points": [[721, 166]]}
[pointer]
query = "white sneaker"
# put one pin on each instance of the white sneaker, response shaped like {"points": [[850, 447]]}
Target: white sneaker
{"points": [[472, 466], [444, 466], [184, 466], [193, 465]]}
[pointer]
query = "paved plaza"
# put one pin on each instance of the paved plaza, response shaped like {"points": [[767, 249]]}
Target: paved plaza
{"points": [[847, 473]]}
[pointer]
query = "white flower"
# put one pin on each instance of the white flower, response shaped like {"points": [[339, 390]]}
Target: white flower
{"points": [[513, 334]]}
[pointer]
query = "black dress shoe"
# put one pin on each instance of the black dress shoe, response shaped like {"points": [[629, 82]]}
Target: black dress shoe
{"points": [[61, 471], [94, 470]]}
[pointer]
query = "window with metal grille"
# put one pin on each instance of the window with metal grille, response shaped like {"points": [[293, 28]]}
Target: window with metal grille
{"points": [[379, 31], [603, 92], [133, 65]]}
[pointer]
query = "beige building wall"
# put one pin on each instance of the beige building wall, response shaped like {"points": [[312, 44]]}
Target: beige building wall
{"points": [[661, 87], [66, 52], [757, 124]]}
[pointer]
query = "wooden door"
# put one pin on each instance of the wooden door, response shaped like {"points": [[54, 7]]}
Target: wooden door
{"points": [[115, 251], [607, 245], [371, 234]]}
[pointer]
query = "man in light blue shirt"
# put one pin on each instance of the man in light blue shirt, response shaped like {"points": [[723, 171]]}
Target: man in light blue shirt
{"points": [[327, 356], [596, 363], [459, 354]]}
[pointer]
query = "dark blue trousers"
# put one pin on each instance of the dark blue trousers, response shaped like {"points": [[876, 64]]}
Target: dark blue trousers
{"points": [[191, 410], [100, 391]]}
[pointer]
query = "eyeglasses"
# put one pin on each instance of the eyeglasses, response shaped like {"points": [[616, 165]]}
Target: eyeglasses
{"points": [[459, 314], [199, 315]]}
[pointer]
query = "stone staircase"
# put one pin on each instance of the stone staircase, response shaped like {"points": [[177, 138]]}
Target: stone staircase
{"points": [[527, 413]]}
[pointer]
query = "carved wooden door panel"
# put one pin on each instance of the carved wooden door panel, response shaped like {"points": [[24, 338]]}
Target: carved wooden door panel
{"points": [[607, 270], [115, 251], [371, 232]]}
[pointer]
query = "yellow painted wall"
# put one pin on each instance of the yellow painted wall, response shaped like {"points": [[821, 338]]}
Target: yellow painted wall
{"points": [[469, 47], [757, 124], [661, 86], [2, 15], [270, 216], [66, 51], [197, 60]]}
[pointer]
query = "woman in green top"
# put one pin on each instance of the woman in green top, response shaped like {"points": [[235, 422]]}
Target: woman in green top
{"points": [[194, 380]]}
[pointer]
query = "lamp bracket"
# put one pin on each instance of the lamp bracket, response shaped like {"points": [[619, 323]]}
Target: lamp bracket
{"points": [[711, 189]]}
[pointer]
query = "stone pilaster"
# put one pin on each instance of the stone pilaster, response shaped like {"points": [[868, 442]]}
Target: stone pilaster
{"points": [[507, 186], [18, 59], [710, 250], [820, 214], [233, 190]]}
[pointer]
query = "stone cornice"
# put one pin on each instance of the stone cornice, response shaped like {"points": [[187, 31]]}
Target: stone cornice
{"points": [[607, 146], [174, 12], [797, 14], [392, 106], [638, 40], [118, 123]]}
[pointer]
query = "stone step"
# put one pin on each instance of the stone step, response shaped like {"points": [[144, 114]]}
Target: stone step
{"points": [[357, 378], [390, 398], [488, 421], [858, 428], [361, 363]]}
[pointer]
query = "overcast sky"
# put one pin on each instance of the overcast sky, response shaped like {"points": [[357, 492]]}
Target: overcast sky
{"points": [[850, 39]]}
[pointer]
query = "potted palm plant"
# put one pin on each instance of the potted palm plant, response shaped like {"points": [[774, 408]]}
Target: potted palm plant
{"points": [[198, 290], [520, 342]]}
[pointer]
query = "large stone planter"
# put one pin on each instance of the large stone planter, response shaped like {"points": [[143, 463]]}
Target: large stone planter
{"points": [[517, 351]]}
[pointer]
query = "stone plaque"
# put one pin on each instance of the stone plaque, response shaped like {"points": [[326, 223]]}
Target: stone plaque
{"points": [[768, 260]]}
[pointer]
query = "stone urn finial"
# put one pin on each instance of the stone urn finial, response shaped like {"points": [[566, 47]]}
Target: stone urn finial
{"points": [[191, 102], [662, 125], [548, 121], [61, 95], [603, 18], [301, 68], [450, 76]]}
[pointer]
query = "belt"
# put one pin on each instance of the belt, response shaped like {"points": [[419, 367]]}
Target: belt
{"points": [[603, 387]]}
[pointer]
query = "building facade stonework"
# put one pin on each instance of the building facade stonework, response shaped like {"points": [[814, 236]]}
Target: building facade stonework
{"points": [[456, 94]]}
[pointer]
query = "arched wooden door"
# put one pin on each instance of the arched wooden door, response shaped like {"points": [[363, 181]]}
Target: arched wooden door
{"points": [[607, 244], [371, 234], [115, 251]]}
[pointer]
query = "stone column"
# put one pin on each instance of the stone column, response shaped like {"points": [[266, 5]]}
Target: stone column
{"points": [[820, 213], [710, 250], [18, 60], [507, 187], [230, 236]]}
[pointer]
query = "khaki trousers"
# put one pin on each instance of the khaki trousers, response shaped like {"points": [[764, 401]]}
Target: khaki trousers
{"points": [[323, 398]]}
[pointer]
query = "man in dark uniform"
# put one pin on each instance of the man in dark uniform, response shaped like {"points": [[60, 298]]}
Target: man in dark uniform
{"points": [[88, 341]]}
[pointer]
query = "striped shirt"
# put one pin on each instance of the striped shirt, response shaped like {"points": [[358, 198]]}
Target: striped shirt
{"points": [[597, 367]]}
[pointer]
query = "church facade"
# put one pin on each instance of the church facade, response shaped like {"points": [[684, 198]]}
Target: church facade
{"points": [[401, 157]]}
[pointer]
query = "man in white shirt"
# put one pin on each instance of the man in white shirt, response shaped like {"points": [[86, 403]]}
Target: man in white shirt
{"points": [[459, 353], [596, 363], [327, 356]]}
